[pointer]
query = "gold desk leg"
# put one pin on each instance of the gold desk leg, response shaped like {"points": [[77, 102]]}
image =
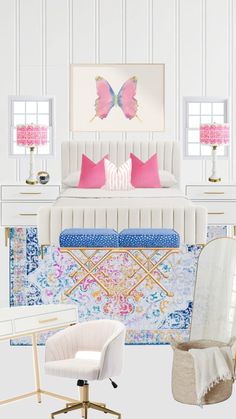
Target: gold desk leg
{"points": [[7, 235], [36, 367], [16, 398], [81, 392]]}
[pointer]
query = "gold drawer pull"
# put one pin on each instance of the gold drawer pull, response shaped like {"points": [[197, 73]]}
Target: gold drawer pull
{"points": [[28, 214], [214, 193], [215, 213], [30, 193], [53, 319]]}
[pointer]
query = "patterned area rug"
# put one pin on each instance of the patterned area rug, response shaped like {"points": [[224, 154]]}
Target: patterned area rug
{"points": [[149, 315]]}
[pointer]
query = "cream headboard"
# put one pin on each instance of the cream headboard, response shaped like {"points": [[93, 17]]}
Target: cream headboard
{"points": [[168, 153]]}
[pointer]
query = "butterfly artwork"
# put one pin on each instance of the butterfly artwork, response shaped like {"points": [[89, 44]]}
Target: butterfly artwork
{"points": [[117, 98], [107, 99]]}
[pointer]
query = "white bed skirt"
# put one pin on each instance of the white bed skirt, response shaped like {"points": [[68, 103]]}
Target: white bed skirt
{"points": [[190, 222]]}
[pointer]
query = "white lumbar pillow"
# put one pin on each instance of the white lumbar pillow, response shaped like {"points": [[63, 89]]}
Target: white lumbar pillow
{"points": [[167, 180], [72, 180]]}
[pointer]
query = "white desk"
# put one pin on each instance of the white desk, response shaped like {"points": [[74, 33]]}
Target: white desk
{"points": [[29, 321]]}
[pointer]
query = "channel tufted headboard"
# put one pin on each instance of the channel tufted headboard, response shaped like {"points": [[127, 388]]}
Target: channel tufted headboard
{"points": [[168, 153]]}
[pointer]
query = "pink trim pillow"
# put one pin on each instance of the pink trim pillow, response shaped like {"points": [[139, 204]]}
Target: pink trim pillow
{"points": [[145, 174], [92, 174]]}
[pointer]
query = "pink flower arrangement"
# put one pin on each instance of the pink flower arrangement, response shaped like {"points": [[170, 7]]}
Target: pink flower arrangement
{"points": [[214, 134], [31, 135]]}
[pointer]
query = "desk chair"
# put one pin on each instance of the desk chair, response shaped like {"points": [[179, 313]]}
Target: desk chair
{"points": [[88, 351]]}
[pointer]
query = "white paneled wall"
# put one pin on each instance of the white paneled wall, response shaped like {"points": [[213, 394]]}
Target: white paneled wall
{"points": [[39, 39]]}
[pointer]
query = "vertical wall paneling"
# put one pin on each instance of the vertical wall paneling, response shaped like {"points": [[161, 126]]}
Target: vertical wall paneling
{"points": [[203, 65], [150, 41], [177, 69], [163, 45], [231, 85], [17, 68], [124, 44], [83, 45], [190, 71], [70, 51], [137, 35], [195, 39], [97, 44], [233, 91], [217, 62], [44, 63], [110, 31], [110, 42], [84, 41], [124, 31], [57, 57], [9, 80], [30, 49], [137, 31]]}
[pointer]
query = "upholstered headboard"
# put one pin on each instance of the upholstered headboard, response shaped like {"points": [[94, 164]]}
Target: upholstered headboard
{"points": [[168, 153]]}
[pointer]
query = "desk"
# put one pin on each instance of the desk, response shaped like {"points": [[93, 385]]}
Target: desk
{"points": [[29, 321]]}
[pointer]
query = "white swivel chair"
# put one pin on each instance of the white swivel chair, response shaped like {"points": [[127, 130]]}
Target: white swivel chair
{"points": [[87, 352]]}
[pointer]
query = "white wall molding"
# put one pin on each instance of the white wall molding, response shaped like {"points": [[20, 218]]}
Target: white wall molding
{"points": [[203, 45], [179, 33], [177, 69]]}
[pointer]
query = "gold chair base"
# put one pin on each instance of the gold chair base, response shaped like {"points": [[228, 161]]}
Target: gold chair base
{"points": [[85, 405]]}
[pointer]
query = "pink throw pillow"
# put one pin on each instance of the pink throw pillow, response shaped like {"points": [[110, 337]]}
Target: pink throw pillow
{"points": [[92, 174], [145, 174]]}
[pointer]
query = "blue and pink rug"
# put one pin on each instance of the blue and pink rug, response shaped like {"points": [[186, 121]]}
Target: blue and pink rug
{"points": [[149, 315]]}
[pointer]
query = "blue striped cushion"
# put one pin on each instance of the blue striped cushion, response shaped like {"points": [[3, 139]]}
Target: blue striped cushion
{"points": [[148, 237], [88, 237]]}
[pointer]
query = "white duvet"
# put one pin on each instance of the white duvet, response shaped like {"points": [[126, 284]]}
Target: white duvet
{"points": [[164, 197]]}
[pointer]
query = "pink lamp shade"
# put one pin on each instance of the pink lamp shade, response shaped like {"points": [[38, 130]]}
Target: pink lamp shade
{"points": [[214, 134], [31, 135]]}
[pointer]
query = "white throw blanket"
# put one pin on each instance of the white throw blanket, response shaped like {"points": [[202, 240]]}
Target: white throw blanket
{"points": [[211, 366]]}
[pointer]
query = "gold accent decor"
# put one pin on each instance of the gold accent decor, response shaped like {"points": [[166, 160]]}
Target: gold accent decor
{"points": [[234, 230], [7, 235], [30, 214], [52, 319], [214, 180], [214, 193], [30, 193], [150, 268], [84, 404], [215, 213], [38, 390]]}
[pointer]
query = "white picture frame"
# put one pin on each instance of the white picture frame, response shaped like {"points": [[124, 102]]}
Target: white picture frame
{"points": [[116, 108]]}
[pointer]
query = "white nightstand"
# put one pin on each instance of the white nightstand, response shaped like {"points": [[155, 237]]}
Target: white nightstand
{"points": [[219, 199], [20, 203]]}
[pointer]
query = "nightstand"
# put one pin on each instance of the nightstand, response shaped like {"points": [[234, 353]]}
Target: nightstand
{"points": [[220, 201], [20, 203]]}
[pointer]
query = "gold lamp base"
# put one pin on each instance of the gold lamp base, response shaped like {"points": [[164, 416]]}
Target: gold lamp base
{"points": [[211, 179], [31, 181], [84, 404]]}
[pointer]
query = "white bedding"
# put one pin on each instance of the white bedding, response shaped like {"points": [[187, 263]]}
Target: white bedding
{"points": [[160, 197]]}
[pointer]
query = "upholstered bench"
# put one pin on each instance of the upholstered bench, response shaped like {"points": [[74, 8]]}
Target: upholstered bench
{"points": [[149, 237], [129, 238], [89, 237], [106, 244]]}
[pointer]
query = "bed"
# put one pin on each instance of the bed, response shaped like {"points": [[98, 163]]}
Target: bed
{"points": [[144, 208]]}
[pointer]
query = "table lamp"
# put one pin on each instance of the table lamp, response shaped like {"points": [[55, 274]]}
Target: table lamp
{"points": [[31, 136], [214, 135]]}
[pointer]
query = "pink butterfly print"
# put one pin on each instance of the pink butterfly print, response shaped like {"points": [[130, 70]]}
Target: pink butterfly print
{"points": [[124, 99]]}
